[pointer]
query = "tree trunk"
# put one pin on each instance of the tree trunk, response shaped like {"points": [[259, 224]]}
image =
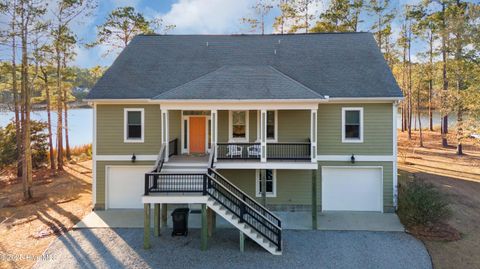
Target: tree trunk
{"points": [[59, 111], [419, 118], [430, 85], [444, 129], [49, 123], [459, 132], [18, 132], [409, 86], [27, 155]]}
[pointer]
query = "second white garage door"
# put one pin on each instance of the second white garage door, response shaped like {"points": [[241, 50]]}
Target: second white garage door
{"points": [[125, 186], [352, 189]]}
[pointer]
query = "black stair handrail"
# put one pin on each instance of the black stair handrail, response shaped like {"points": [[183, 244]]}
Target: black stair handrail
{"points": [[160, 160], [252, 202], [245, 212]]}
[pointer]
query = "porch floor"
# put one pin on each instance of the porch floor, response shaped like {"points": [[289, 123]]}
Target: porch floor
{"points": [[188, 158], [348, 221]]}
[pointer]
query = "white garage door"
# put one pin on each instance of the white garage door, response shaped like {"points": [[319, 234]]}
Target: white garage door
{"points": [[352, 189], [125, 186]]}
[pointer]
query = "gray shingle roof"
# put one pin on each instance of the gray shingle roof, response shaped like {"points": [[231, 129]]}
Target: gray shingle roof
{"points": [[175, 66], [241, 82]]}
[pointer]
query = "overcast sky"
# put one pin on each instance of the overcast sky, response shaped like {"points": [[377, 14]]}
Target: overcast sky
{"points": [[189, 16]]}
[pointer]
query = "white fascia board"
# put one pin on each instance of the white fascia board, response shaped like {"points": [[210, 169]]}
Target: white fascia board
{"points": [[174, 199], [266, 165], [358, 158], [125, 157], [240, 105], [117, 101], [364, 99]]}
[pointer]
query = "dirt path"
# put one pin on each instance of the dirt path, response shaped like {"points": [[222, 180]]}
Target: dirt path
{"points": [[26, 230], [459, 178]]}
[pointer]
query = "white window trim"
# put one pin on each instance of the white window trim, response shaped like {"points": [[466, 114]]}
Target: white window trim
{"points": [[275, 139], [352, 140], [125, 125], [257, 182], [230, 127]]}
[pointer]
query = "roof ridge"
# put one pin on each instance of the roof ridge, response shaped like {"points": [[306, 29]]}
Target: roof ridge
{"points": [[291, 79]]}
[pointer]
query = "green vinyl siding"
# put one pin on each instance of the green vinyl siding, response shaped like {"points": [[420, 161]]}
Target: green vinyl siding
{"points": [[175, 127], [101, 173], [293, 125], [222, 126], [223, 122], [294, 186], [253, 125], [377, 130], [110, 131]]}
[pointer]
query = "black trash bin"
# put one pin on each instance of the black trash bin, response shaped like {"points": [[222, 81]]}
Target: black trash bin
{"points": [[180, 221]]}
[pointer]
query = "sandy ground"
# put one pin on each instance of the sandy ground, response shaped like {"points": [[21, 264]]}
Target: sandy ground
{"points": [[26, 230], [459, 178]]}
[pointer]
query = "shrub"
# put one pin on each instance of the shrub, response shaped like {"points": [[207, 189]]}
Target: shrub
{"points": [[8, 145], [421, 204]]}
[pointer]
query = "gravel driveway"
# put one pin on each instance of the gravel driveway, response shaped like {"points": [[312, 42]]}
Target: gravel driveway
{"points": [[122, 248]]}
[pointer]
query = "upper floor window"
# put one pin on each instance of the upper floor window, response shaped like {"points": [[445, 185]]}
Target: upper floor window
{"points": [[271, 189], [134, 125], [272, 125], [352, 124], [239, 125]]}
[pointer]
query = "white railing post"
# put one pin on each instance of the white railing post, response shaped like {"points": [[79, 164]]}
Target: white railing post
{"points": [[313, 135], [165, 138], [214, 131], [263, 135]]}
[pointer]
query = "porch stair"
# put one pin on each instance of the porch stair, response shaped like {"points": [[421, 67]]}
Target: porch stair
{"points": [[242, 226], [223, 197]]}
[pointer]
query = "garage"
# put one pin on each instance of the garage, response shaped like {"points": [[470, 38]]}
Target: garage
{"points": [[124, 186], [352, 188]]}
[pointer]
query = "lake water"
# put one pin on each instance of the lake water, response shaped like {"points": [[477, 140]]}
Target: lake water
{"points": [[80, 123]]}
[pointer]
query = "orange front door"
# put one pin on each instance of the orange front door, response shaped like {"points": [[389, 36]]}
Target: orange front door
{"points": [[197, 134]]}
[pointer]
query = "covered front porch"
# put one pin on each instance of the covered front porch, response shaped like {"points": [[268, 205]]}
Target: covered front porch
{"points": [[242, 135]]}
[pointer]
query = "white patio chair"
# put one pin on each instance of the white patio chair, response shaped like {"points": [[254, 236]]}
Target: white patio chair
{"points": [[234, 151], [254, 151]]}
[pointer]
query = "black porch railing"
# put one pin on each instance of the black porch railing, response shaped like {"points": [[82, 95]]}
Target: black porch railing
{"points": [[244, 151], [221, 190], [289, 151]]}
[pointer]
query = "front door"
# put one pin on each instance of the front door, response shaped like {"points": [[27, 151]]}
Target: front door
{"points": [[197, 134]]}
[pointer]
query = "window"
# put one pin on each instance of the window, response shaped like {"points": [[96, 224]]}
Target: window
{"points": [[239, 126], [134, 123], [352, 125], [271, 190], [272, 125]]}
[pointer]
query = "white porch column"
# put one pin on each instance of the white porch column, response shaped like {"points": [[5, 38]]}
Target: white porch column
{"points": [[263, 135], [165, 137], [313, 135], [214, 131]]}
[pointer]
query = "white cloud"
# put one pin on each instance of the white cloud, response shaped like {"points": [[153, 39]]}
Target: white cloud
{"points": [[207, 16]]}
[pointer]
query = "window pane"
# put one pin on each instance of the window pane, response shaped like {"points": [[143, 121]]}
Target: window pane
{"points": [[352, 131], [238, 117], [134, 131], [238, 131], [352, 117], [185, 134], [271, 124], [134, 117]]}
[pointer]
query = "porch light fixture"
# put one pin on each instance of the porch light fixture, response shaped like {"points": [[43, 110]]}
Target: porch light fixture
{"points": [[134, 158], [352, 159]]}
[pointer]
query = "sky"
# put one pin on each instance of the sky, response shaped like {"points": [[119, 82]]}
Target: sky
{"points": [[189, 16]]}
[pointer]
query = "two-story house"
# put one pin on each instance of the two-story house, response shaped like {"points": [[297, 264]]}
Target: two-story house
{"points": [[246, 124]]}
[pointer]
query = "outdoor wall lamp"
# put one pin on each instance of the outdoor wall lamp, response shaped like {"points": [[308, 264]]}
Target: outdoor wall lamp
{"points": [[352, 159], [134, 158]]}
